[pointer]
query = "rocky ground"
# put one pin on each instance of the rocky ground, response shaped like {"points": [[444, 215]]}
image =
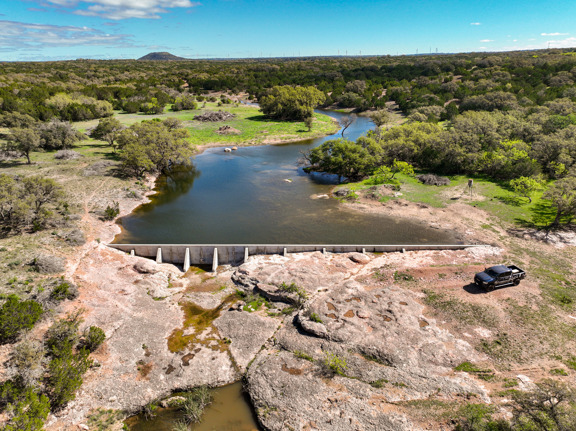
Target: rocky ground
{"points": [[359, 342], [346, 341]]}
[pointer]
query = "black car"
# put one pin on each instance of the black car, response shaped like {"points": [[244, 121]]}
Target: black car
{"points": [[499, 276]]}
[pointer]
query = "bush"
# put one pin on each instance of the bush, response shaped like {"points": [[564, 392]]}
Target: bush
{"points": [[17, 316], [67, 155], [65, 376], [29, 413], [335, 364], [301, 295], [111, 211], [47, 264], [93, 338], [28, 358], [63, 291], [62, 336], [195, 403]]}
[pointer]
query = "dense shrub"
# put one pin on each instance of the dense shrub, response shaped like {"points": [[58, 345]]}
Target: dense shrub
{"points": [[63, 290], [63, 335], [17, 316], [28, 413], [65, 376], [93, 338]]}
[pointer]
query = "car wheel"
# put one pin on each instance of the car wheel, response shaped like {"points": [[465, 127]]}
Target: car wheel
{"points": [[490, 287], [516, 282]]}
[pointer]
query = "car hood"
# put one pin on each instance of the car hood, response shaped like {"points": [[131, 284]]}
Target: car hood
{"points": [[484, 277]]}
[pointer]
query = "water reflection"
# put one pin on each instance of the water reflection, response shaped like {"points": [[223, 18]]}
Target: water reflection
{"points": [[261, 195]]}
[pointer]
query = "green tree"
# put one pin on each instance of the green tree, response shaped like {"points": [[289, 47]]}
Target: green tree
{"points": [[341, 157], [58, 135], [549, 407], [107, 130], [562, 195], [41, 190], [23, 141], [526, 186], [184, 102], [308, 122], [153, 146], [26, 201], [288, 103], [381, 117]]}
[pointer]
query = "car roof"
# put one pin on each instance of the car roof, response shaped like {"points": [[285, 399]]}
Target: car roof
{"points": [[500, 269]]}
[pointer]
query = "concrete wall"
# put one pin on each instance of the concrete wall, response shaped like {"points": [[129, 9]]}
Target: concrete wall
{"points": [[235, 253]]}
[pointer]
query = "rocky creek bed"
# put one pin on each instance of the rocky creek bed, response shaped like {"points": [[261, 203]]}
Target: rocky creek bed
{"points": [[392, 350]]}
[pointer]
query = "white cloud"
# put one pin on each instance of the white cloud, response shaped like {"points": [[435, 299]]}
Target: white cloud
{"points": [[122, 9], [554, 34], [486, 40], [17, 36], [569, 42], [475, 23]]}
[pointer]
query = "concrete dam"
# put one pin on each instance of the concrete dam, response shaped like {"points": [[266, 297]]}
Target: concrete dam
{"points": [[234, 254]]}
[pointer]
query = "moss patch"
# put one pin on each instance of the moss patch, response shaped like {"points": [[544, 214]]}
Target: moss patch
{"points": [[200, 319]]}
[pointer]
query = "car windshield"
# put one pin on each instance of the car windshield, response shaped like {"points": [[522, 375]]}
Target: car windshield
{"points": [[491, 273]]}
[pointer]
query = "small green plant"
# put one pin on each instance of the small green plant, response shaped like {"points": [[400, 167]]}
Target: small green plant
{"points": [[571, 362], [103, 419], [335, 364], [481, 373], [195, 403], [510, 383], [302, 355], [315, 318], [558, 372], [378, 383], [301, 295], [149, 410], [403, 276]]}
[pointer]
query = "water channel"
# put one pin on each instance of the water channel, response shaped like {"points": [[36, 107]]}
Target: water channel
{"points": [[260, 195]]}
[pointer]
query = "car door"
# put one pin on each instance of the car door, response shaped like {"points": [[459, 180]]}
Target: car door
{"points": [[505, 278]]}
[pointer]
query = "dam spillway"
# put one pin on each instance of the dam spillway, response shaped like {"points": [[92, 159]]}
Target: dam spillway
{"points": [[234, 254]]}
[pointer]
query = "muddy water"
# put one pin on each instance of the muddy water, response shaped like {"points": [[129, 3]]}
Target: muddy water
{"points": [[230, 411], [260, 195]]}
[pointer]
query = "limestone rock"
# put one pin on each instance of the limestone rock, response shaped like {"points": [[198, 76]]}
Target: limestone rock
{"points": [[247, 333], [359, 258], [146, 266]]}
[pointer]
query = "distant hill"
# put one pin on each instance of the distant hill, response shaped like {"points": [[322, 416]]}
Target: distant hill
{"points": [[162, 56]]}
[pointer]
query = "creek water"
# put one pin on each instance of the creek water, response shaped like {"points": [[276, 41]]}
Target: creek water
{"points": [[260, 195], [229, 411]]}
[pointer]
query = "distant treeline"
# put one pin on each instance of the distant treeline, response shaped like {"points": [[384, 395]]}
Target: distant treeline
{"points": [[434, 86]]}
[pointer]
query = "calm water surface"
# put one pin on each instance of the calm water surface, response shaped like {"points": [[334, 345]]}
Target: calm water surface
{"points": [[229, 411], [243, 197]]}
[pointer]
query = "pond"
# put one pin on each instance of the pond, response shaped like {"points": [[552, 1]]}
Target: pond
{"points": [[229, 411], [261, 195]]}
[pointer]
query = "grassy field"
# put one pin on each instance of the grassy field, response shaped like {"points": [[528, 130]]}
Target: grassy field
{"points": [[495, 197], [255, 128]]}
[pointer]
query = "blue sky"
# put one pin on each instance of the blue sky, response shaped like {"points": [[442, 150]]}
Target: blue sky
{"points": [[101, 29]]}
